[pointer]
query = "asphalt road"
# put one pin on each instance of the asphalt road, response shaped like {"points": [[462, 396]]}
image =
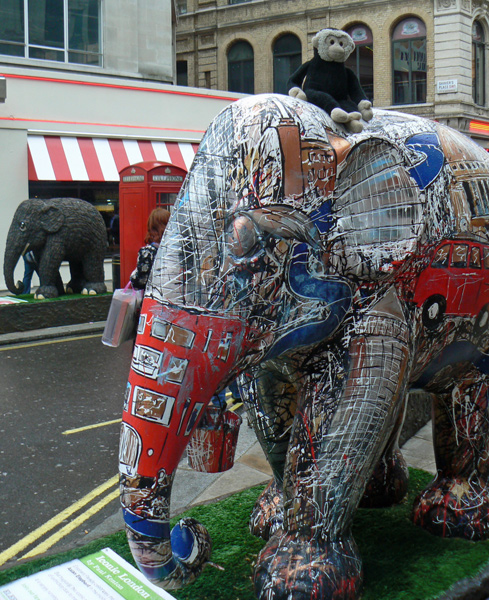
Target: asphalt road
{"points": [[50, 476]]}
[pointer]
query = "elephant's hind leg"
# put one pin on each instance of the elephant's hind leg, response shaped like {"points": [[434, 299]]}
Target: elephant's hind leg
{"points": [[93, 275], [268, 513], [456, 503], [76, 283], [271, 398]]}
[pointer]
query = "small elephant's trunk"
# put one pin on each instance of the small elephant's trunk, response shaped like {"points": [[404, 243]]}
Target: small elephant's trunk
{"points": [[9, 263], [180, 359]]}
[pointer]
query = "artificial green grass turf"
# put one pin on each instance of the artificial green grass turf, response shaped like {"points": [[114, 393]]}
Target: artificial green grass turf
{"points": [[30, 297], [401, 561]]}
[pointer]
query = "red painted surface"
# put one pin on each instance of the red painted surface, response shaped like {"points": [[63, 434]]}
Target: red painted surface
{"points": [[459, 272], [175, 371]]}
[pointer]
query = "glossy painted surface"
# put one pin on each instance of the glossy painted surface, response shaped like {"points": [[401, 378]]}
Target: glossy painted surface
{"points": [[300, 259]]}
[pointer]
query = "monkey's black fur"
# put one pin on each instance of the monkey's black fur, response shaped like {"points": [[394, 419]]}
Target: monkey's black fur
{"points": [[328, 84]]}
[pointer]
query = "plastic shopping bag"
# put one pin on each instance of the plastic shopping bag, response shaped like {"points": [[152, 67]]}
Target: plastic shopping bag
{"points": [[123, 316]]}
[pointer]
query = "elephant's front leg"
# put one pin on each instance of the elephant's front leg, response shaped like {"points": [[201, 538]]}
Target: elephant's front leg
{"points": [[329, 465], [389, 482], [49, 278], [270, 397], [456, 503]]}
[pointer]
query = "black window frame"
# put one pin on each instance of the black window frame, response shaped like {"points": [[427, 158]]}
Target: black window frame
{"points": [[237, 75], [417, 88], [289, 54]]}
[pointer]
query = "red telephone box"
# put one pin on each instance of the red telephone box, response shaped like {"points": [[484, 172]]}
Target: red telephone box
{"points": [[143, 187]]}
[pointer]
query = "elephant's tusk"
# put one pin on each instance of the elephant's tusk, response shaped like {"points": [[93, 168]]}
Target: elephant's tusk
{"points": [[26, 247], [215, 565]]}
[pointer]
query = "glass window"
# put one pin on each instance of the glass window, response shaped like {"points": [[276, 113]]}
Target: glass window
{"points": [[287, 57], [486, 257], [475, 257], [459, 256], [182, 72], [181, 7], [361, 60], [60, 30], [241, 67], [83, 32], [409, 62], [12, 27], [440, 260], [478, 64]]}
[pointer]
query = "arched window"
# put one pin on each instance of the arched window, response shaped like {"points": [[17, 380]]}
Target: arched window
{"points": [[287, 57], [241, 68], [409, 62], [478, 64], [361, 60]]}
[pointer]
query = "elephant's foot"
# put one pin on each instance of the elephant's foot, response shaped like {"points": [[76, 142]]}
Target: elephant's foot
{"points": [[454, 508], [267, 516], [74, 287], [388, 484], [46, 291], [92, 289], [294, 566]]}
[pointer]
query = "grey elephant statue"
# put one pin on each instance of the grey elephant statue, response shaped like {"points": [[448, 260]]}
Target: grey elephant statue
{"points": [[56, 230], [331, 273]]}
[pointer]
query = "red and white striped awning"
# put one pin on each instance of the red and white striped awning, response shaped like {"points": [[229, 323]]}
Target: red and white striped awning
{"points": [[64, 158]]}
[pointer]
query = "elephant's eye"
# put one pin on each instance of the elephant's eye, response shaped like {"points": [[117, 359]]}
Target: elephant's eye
{"points": [[22, 226], [241, 236]]}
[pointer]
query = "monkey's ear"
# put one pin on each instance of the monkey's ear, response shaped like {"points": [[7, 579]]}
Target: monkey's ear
{"points": [[351, 43], [315, 40]]}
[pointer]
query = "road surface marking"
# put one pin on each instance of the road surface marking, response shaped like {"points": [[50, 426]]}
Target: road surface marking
{"points": [[103, 424], [55, 521], [68, 528], [57, 341]]}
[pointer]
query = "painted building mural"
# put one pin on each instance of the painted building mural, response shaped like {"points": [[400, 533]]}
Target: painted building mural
{"points": [[330, 273]]}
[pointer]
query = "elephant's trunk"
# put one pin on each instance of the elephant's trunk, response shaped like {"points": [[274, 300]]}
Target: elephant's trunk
{"points": [[181, 358], [9, 263]]}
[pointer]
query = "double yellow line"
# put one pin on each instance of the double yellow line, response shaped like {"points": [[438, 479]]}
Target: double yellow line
{"points": [[41, 531], [54, 538], [44, 529]]}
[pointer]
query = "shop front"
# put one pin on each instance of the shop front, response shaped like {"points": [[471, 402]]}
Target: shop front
{"points": [[76, 136]]}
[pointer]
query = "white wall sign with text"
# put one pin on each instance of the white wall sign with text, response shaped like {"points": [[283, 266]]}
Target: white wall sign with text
{"points": [[446, 86]]}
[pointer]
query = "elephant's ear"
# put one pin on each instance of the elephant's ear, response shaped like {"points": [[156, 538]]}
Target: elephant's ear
{"points": [[52, 219], [378, 209]]}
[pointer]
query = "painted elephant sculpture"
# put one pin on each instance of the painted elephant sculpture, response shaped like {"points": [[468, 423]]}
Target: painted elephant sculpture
{"points": [[331, 273], [55, 230]]}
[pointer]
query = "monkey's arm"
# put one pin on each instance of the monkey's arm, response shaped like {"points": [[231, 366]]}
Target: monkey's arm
{"points": [[358, 96], [355, 90], [297, 77]]}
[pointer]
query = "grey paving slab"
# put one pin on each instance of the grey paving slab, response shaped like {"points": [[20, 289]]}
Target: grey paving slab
{"points": [[418, 450], [239, 478]]}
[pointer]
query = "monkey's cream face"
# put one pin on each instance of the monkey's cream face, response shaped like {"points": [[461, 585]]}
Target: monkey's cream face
{"points": [[334, 46]]}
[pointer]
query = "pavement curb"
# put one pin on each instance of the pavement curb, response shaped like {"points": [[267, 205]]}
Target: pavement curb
{"points": [[21, 337]]}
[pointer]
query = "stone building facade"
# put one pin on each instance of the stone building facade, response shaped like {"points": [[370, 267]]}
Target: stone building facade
{"points": [[207, 30], [86, 89]]}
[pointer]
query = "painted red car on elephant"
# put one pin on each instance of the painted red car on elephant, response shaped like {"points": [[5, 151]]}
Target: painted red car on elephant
{"points": [[456, 282]]}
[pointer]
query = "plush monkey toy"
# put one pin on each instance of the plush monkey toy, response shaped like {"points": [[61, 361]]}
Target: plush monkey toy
{"points": [[326, 82]]}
